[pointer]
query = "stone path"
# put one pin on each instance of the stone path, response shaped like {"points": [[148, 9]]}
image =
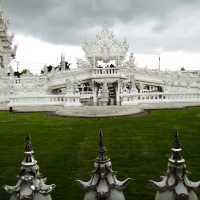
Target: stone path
{"points": [[99, 111]]}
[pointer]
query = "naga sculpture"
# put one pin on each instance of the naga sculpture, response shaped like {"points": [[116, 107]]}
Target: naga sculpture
{"points": [[30, 184], [175, 185], [103, 184]]}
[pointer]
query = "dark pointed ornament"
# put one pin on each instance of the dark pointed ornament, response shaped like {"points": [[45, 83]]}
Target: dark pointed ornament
{"points": [[102, 149]]}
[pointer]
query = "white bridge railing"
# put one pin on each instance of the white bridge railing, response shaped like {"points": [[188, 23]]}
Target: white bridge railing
{"points": [[128, 99]]}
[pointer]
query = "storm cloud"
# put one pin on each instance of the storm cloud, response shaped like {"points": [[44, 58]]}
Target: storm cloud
{"points": [[148, 25]]}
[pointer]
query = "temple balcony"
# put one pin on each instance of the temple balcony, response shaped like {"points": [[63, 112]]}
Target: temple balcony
{"points": [[86, 94], [106, 71]]}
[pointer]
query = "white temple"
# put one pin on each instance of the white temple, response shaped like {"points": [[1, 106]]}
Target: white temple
{"points": [[106, 76]]}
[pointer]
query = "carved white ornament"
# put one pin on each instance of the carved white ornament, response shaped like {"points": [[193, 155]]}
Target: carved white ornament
{"points": [[106, 47]]}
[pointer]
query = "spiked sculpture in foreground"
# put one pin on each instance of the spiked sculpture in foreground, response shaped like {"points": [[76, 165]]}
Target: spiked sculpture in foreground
{"points": [[103, 183], [175, 185], [30, 184]]}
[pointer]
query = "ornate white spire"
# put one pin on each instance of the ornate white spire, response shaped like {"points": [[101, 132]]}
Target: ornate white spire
{"points": [[103, 183], [7, 51], [30, 184], [62, 57], [62, 61], [105, 47], [132, 59], [175, 184]]}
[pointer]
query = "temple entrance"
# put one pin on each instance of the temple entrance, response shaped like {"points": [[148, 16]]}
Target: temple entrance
{"points": [[112, 94], [106, 93]]}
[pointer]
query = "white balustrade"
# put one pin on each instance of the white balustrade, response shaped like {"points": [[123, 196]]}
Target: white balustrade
{"points": [[128, 99], [105, 71], [86, 94], [46, 100]]}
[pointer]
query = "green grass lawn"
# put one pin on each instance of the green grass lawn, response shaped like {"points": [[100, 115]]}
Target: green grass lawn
{"points": [[66, 148]]}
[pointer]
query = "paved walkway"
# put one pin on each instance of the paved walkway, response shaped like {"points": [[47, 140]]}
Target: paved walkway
{"points": [[99, 111]]}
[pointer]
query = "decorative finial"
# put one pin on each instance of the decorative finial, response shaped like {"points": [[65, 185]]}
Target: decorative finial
{"points": [[176, 150], [175, 184], [29, 158], [103, 183], [177, 144], [102, 149], [159, 63], [29, 146], [30, 184]]}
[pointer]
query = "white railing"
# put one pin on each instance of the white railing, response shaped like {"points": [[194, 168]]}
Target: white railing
{"points": [[86, 94], [26, 80], [105, 71], [47, 100], [159, 98], [126, 99], [59, 79]]}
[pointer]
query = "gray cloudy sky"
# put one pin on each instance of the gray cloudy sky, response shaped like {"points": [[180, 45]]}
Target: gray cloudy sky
{"points": [[150, 26], [147, 24]]}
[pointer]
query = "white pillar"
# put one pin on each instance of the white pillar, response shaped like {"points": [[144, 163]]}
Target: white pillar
{"points": [[141, 85], [94, 93], [94, 62], [118, 92]]}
